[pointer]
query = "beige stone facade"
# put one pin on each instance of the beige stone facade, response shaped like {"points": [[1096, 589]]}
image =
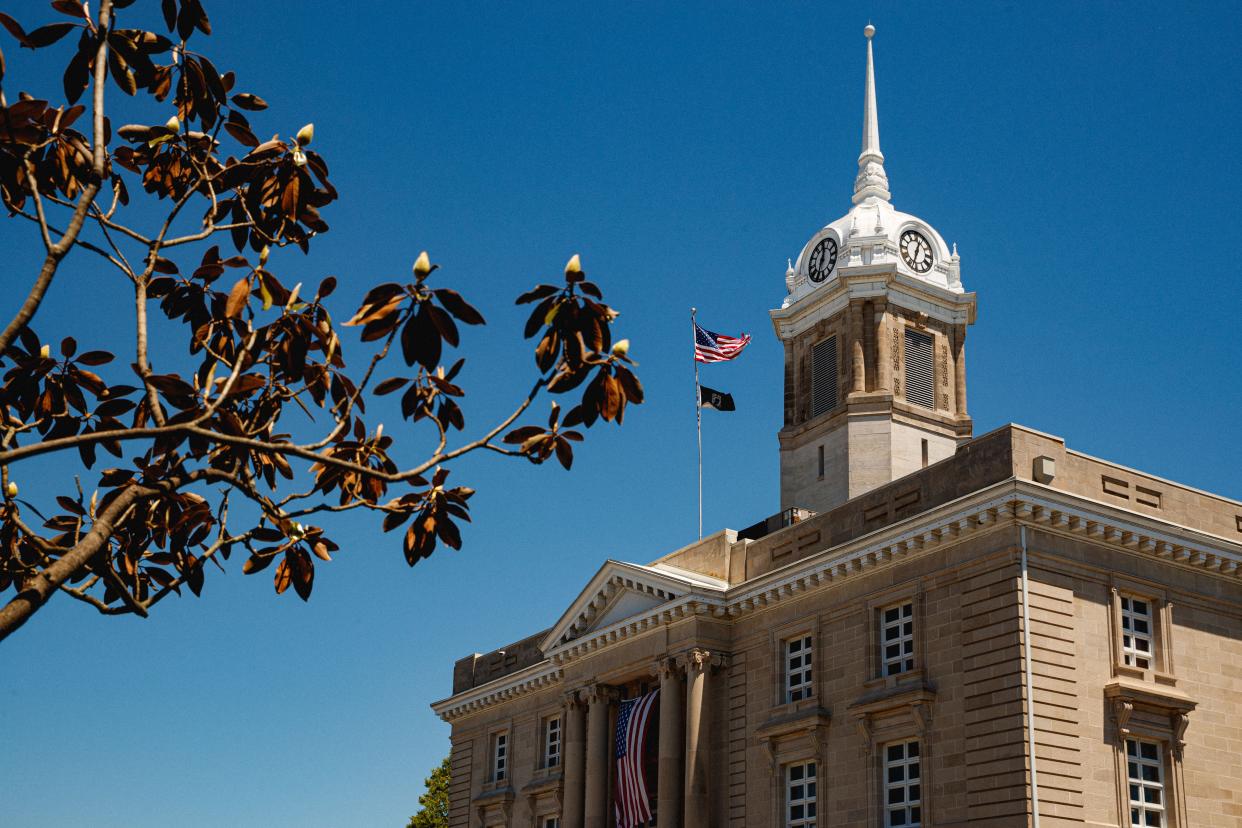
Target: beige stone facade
{"points": [[934, 631], [709, 624]]}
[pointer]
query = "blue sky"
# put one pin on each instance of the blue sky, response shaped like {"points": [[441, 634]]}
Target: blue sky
{"points": [[1082, 156]]}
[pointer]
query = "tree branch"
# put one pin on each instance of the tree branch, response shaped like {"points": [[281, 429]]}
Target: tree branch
{"points": [[60, 248]]}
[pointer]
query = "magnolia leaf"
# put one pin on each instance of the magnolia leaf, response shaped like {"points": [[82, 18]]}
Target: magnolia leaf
{"points": [[238, 297]]}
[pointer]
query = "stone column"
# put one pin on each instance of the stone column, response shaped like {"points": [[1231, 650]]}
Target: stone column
{"points": [[575, 756], [883, 355], [698, 662], [856, 347], [959, 368], [669, 803], [597, 752]]}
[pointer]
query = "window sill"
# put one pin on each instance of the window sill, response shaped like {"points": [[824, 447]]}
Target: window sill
{"points": [[881, 683], [546, 779], [787, 719], [882, 697], [495, 793], [788, 708], [1148, 676], [1162, 698]]}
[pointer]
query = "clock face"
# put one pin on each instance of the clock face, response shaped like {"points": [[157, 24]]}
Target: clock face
{"points": [[823, 259], [916, 251]]}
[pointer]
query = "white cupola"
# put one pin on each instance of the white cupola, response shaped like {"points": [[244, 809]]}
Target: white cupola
{"points": [[874, 329], [874, 232]]}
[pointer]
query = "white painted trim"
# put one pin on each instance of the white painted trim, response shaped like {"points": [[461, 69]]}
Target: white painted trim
{"points": [[1030, 684]]}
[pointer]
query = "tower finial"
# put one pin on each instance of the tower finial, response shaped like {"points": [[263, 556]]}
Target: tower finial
{"points": [[871, 180]]}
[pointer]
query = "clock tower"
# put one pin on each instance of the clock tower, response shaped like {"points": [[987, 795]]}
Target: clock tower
{"points": [[874, 329]]}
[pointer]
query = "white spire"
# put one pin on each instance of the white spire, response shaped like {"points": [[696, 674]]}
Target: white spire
{"points": [[871, 180]]}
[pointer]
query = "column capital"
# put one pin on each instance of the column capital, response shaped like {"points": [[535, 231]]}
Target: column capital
{"points": [[699, 660], [668, 667], [573, 698], [596, 693]]}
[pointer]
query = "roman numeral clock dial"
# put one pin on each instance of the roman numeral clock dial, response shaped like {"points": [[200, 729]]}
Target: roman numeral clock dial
{"points": [[823, 259], [916, 251]]}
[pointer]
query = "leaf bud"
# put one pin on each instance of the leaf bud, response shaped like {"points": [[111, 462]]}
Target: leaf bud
{"points": [[574, 265], [621, 348], [422, 265], [306, 134], [299, 157], [11, 489], [45, 351], [263, 254], [174, 124]]}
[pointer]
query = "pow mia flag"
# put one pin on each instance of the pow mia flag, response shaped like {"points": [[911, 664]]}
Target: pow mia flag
{"points": [[719, 400]]}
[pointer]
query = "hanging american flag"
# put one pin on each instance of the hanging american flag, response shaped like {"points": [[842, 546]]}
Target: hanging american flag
{"points": [[633, 803], [714, 347]]}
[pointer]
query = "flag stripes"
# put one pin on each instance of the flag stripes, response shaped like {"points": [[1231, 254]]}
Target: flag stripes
{"points": [[714, 347], [633, 802]]}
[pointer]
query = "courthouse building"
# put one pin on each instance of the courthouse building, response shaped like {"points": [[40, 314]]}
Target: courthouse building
{"points": [[936, 628]]}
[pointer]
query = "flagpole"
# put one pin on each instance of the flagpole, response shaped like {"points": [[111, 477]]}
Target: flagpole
{"points": [[698, 410]]}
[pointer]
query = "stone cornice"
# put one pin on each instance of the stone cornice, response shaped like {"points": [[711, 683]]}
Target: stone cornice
{"points": [[1007, 503], [873, 281], [535, 677]]}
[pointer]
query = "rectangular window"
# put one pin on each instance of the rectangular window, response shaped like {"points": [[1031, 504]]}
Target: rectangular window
{"points": [[552, 742], [800, 804], [903, 797], [1136, 640], [798, 669], [920, 369], [821, 461], [551, 822], [500, 756], [824, 376], [897, 638], [1145, 774]]}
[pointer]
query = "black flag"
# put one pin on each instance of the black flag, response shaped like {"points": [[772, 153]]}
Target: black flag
{"points": [[719, 400]]}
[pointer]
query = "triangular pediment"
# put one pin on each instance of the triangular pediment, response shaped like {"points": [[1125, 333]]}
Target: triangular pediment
{"points": [[620, 591]]}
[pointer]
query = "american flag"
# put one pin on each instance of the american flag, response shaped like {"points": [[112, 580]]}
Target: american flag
{"points": [[714, 347], [633, 803]]}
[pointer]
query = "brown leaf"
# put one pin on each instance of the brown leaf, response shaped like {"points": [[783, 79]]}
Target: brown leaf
{"points": [[540, 292], [245, 100], [283, 575], [49, 34], [612, 398], [389, 385], [14, 28], [459, 307], [521, 435], [238, 297], [256, 563], [564, 453], [70, 7], [242, 135]]}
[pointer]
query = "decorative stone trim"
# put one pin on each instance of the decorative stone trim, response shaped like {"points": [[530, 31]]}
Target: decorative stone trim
{"points": [[1164, 702], [604, 597], [916, 699], [812, 722], [501, 798], [1008, 503], [536, 677]]}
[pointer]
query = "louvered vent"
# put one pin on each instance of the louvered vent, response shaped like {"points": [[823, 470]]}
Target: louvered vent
{"points": [[824, 376], [920, 369]]}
